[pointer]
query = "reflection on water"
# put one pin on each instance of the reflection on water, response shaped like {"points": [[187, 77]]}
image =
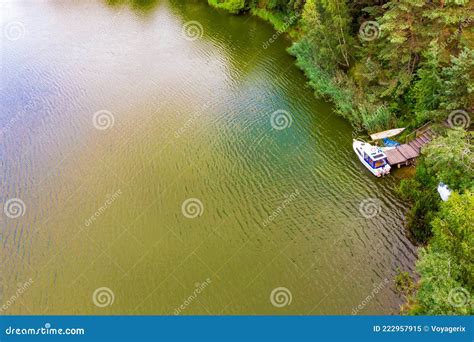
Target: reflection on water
{"points": [[151, 164]]}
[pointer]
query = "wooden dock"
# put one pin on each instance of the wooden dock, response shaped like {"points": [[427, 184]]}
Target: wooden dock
{"points": [[406, 154]]}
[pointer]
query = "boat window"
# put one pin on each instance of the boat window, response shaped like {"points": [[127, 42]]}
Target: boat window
{"points": [[368, 159], [380, 163]]}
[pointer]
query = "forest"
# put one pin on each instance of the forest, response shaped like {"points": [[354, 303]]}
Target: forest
{"points": [[400, 63]]}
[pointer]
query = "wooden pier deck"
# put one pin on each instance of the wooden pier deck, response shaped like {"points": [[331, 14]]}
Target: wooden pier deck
{"points": [[405, 154]]}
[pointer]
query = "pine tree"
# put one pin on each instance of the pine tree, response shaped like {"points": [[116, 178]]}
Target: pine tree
{"points": [[427, 88], [326, 24], [403, 42], [458, 85]]}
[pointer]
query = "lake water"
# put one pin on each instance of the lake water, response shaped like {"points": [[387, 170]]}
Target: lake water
{"points": [[156, 159]]}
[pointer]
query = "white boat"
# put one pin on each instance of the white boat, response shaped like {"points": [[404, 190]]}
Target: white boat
{"points": [[387, 134], [372, 157]]}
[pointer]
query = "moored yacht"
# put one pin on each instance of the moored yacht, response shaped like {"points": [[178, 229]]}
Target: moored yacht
{"points": [[372, 157]]}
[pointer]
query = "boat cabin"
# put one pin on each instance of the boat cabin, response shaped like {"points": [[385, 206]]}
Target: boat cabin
{"points": [[373, 156]]}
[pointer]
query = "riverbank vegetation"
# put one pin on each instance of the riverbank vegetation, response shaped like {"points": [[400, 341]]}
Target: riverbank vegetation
{"points": [[401, 63], [445, 228]]}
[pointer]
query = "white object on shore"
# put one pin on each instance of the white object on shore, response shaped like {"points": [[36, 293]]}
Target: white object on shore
{"points": [[444, 191]]}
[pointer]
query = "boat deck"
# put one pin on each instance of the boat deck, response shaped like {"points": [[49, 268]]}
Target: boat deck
{"points": [[405, 154]]}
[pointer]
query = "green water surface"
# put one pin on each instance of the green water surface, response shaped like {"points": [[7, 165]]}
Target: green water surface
{"points": [[277, 198]]}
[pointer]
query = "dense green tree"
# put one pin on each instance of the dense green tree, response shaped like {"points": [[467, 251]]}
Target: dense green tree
{"points": [[457, 90], [403, 42], [233, 6], [446, 269], [453, 232], [450, 160], [421, 191], [327, 29], [427, 88], [439, 291]]}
